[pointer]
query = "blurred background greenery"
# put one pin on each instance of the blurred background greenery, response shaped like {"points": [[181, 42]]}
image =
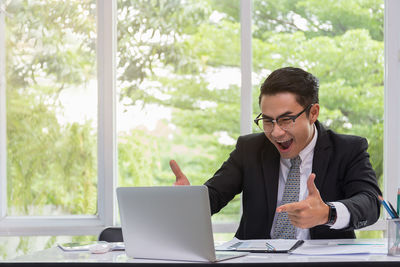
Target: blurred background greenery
{"points": [[178, 86]]}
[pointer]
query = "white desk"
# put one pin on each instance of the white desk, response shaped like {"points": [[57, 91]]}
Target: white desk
{"points": [[57, 257]]}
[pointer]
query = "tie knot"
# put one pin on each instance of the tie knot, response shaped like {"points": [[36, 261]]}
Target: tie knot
{"points": [[296, 161]]}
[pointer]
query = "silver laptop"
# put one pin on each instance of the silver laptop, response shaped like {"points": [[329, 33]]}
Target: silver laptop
{"points": [[170, 223]]}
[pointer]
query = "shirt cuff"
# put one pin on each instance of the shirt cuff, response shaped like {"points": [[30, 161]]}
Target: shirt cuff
{"points": [[343, 216]]}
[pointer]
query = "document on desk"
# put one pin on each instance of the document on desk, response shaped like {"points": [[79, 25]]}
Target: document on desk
{"points": [[261, 245], [76, 246], [346, 248]]}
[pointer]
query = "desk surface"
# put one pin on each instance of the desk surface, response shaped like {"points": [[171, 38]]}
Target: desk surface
{"points": [[55, 256]]}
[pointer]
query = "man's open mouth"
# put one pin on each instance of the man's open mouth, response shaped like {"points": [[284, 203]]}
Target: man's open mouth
{"points": [[285, 144]]}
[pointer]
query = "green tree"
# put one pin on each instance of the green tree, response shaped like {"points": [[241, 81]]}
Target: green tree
{"points": [[51, 166]]}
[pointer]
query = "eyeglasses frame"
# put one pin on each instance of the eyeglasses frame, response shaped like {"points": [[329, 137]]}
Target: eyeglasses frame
{"points": [[274, 121]]}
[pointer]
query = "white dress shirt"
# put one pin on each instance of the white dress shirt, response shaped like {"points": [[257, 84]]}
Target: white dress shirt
{"points": [[307, 155]]}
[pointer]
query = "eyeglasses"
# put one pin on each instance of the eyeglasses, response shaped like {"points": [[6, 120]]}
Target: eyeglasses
{"points": [[284, 122]]}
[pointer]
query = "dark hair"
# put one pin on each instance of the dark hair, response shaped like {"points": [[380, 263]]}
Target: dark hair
{"points": [[292, 80]]}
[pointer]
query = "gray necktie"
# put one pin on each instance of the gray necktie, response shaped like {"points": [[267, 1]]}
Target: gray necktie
{"points": [[283, 228]]}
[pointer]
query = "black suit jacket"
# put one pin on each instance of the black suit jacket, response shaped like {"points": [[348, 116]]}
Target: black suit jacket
{"points": [[343, 173]]}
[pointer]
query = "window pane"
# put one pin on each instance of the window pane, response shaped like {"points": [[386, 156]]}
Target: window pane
{"points": [[51, 107], [340, 42], [179, 90]]}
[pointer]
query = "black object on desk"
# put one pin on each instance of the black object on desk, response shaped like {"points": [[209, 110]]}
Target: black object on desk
{"points": [[111, 234], [272, 246]]}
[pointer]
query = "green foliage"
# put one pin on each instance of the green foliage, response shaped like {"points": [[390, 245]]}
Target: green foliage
{"points": [[52, 40], [211, 43], [148, 32], [137, 166], [369, 234], [318, 17], [51, 166]]}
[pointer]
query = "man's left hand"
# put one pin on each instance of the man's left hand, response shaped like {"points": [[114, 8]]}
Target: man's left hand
{"points": [[309, 212]]}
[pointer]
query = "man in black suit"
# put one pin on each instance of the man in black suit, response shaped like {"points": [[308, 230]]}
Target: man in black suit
{"points": [[338, 188]]}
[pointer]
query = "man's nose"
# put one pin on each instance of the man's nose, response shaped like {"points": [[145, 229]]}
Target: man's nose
{"points": [[277, 130]]}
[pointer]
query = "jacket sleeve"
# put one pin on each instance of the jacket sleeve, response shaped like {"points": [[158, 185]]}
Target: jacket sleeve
{"points": [[361, 188], [227, 181]]}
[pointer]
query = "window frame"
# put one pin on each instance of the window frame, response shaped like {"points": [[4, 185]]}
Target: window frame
{"points": [[107, 149], [106, 152], [391, 148], [3, 122]]}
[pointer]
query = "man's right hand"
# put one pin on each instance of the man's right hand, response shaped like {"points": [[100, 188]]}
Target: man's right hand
{"points": [[180, 177]]}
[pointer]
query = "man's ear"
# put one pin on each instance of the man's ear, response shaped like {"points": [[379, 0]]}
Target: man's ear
{"points": [[314, 113]]}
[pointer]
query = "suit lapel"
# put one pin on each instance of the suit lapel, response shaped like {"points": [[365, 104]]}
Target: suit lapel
{"points": [[270, 166], [322, 154]]}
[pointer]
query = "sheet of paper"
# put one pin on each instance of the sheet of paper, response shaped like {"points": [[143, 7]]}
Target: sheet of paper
{"points": [[226, 245], [333, 248]]}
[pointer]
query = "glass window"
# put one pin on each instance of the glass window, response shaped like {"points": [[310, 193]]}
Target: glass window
{"points": [[178, 83], [340, 42], [51, 107]]}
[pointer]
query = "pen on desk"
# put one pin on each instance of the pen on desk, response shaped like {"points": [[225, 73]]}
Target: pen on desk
{"points": [[270, 247], [398, 201], [387, 208], [298, 244]]}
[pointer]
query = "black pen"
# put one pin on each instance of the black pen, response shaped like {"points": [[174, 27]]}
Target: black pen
{"points": [[393, 210], [387, 207], [298, 244]]}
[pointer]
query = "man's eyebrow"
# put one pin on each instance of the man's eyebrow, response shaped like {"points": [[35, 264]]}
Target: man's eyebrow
{"points": [[287, 113]]}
